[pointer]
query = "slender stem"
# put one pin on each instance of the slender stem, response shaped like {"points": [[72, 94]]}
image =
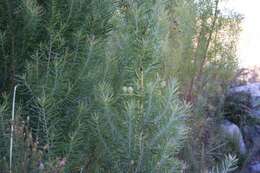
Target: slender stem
{"points": [[204, 58], [141, 109], [197, 77], [12, 129]]}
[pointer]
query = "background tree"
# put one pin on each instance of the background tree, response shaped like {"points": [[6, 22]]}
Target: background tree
{"points": [[203, 49]]}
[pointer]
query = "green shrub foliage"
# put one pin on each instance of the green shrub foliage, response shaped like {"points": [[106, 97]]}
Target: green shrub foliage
{"points": [[92, 94], [102, 83], [237, 106]]}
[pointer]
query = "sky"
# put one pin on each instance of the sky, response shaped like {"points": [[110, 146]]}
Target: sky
{"points": [[249, 43]]}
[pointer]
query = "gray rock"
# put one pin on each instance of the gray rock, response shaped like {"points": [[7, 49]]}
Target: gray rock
{"points": [[255, 168], [254, 90], [251, 129], [232, 133]]}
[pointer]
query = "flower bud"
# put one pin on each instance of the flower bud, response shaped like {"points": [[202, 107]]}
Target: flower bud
{"points": [[163, 84], [130, 90], [124, 89]]}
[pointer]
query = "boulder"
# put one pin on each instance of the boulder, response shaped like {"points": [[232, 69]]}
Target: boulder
{"points": [[253, 102], [233, 134], [243, 104], [254, 168]]}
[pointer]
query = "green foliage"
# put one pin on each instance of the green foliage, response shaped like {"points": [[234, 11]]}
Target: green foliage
{"points": [[20, 32], [203, 49], [227, 165], [237, 107], [92, 91], [5, 134], [102, 83]]}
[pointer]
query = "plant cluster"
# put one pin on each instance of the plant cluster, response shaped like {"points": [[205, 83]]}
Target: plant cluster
{"points": [[113, 85]]}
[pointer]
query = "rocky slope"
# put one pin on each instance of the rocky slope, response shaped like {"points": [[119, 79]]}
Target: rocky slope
{"points": [[249, 123]]}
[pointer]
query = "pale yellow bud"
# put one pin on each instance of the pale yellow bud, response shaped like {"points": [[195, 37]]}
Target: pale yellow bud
{"points": [[124, 89], [163, 84], [130, 90]]}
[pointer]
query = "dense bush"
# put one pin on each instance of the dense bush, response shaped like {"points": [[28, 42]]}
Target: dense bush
{"points": [[114, 86], [92, 92], [237, 106]]}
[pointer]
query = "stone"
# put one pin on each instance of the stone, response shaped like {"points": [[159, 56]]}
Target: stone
{"points": [[250, 126], [255, 168], [233, 133]]}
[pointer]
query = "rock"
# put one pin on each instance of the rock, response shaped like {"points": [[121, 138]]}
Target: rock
{"points": [[251, 123], [255, 168], [254, 91], [232, 133], [252, 134], [252, 165]]}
